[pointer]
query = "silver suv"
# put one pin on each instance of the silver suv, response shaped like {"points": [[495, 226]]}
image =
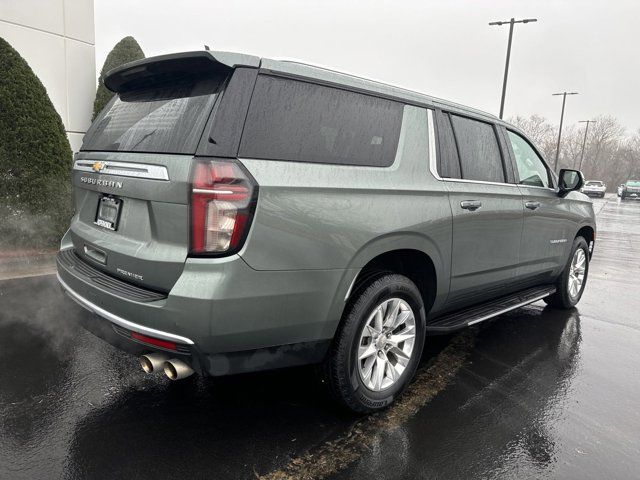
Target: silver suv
{"points": [[236, 214]]}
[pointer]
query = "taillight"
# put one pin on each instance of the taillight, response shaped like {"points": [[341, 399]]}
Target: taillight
{"points": [[222, 203]]}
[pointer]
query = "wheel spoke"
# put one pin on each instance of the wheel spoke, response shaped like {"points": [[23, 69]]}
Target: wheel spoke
{"points": [[401, 319], [402, 357], [392, 313], [393, 373], [367, 369], [372, 332], [379, 373], [401, 337], [378, 320], [367, 351]]}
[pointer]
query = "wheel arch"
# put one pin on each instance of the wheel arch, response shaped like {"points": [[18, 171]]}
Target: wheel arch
{"points": [[413, 255], [416, 265], [589, 234]]}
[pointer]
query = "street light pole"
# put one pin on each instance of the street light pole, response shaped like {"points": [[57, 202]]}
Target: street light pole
{"points": [[584, 142], [511, 23], [564, 99]]}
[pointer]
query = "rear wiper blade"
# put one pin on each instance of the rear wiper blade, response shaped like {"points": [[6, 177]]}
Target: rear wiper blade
{"points": [[144, 137]]}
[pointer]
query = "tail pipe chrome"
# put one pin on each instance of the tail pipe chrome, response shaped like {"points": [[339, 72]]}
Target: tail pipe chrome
{"points": [[176, 369], [153, 362]]}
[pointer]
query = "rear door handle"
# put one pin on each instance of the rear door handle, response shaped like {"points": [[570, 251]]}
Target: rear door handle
{"points": [[470, 204], [532, 205]]}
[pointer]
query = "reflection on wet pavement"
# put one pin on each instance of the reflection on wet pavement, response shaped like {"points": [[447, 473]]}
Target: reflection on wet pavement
{"points": [[537, 393]]}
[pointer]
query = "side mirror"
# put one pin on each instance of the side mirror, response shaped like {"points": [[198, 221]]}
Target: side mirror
{"points": [[570, 180]]}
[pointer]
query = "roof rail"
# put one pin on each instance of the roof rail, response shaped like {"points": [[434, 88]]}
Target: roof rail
{"points": [[408, 90]]}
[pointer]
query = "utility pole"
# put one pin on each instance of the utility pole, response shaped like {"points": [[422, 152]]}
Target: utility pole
{"points": [[506, 66], [584, 142], [564, 99]]}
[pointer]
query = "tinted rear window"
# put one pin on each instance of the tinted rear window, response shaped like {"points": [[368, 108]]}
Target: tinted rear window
{"points": [[304, 122], [593, 184], [163, 119], [480, 157]]}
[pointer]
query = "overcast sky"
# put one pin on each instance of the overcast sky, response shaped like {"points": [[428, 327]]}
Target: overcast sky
{"points": [[443, 48]]}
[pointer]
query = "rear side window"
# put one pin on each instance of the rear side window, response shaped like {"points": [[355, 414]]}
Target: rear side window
{"points": [[480, 157], [304, 122], [167, 118]]}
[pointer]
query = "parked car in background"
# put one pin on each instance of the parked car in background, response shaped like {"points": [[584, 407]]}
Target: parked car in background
{"points": [[237, 213], [594, 188], [631, 189]]}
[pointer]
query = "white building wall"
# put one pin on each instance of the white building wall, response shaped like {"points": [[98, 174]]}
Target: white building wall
{"points": [[57, 39]]}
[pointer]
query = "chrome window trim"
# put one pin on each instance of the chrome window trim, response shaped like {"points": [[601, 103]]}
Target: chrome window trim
{"points": [[481, 182], [433, 161], [124, 169], [92, 307], [534, 186]]}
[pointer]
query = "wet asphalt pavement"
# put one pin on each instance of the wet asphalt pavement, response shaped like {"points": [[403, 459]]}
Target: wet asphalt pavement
{"points": [[536, 393]]}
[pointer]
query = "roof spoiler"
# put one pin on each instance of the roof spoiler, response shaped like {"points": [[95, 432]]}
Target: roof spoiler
{"points": [[133, 75]]}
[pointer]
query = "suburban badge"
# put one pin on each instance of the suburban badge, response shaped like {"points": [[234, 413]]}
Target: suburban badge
{"points": [[100, 182]]}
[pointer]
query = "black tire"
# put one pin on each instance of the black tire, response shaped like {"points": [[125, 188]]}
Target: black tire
{"points": [[562, 298], [340, 369]]}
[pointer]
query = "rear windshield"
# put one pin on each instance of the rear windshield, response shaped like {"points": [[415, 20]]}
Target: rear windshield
{"points": [[593, 184], [163, 119], [633, 183]]}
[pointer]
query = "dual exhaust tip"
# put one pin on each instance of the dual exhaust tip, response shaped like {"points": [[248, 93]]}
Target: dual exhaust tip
{"points": [[174, 368]]}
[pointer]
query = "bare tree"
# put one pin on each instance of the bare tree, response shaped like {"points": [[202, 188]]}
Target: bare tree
{"points": [[571, 148], [608, 154]]}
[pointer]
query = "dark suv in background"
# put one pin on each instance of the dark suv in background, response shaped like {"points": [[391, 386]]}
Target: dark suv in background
{"points": [[630, 189], [236, 214]]}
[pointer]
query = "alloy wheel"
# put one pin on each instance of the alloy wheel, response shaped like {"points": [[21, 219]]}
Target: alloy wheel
{"points": [[386, 344], [576, 272]]}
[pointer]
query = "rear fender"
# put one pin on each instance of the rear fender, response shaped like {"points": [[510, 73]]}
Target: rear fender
{"points": [[382, 245]]}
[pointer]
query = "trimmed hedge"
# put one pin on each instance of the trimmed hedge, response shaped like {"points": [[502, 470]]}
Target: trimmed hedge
{"points": [[126, 50], [35, 159]]}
